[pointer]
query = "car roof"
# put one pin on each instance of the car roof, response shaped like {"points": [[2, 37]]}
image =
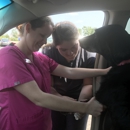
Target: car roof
{"points": [[24, 10]]}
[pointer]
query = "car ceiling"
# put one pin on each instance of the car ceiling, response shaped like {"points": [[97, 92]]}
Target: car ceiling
{"points": [[12, 15]]}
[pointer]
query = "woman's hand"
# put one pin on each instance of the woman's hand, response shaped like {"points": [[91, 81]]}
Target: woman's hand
{"points": [[107, 70], [94, 107]]}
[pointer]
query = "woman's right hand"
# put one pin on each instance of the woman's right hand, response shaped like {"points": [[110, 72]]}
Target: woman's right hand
{"points": [[94, 107], [107, 69]]}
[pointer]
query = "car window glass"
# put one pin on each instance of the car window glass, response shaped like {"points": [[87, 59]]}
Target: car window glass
{"points": [[86, 21]]}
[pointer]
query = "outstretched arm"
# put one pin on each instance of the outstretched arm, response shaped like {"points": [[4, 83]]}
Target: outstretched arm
{"points": [[78, 73], [42, 99]]}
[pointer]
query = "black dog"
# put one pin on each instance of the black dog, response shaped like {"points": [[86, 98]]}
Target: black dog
{"points": [[113, 43]]}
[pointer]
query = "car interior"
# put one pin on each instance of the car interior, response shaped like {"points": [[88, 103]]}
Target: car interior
{"points": [[115, 12]]}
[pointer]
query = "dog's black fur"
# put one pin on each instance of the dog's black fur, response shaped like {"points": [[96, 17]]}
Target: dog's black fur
{"points": [[113, 43]]}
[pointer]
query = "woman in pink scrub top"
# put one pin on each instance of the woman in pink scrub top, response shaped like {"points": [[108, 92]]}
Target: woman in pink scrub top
{"points": [[25, 81]]}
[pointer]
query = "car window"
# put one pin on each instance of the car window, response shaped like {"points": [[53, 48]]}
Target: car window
{"points": [[86, 21], [12, 36]]}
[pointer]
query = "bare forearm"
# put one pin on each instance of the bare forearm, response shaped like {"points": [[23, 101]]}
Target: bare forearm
{"points": [[78, 73], [81, 73], [86, 93], [60, 104], [31, 91]]}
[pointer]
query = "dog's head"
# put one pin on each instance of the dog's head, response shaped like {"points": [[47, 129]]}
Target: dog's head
{"points": [[111, 41]]}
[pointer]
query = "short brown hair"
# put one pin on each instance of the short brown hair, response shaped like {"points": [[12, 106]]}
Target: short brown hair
{"points": [[64, 31], [36, 23]]}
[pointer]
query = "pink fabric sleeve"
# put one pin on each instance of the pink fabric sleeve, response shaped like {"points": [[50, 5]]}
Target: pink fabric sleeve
{"points": [[49, 62], [13, 71]]}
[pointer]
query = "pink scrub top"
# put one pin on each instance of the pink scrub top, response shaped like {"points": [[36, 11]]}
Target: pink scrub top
{"points": [[17, 112]]}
